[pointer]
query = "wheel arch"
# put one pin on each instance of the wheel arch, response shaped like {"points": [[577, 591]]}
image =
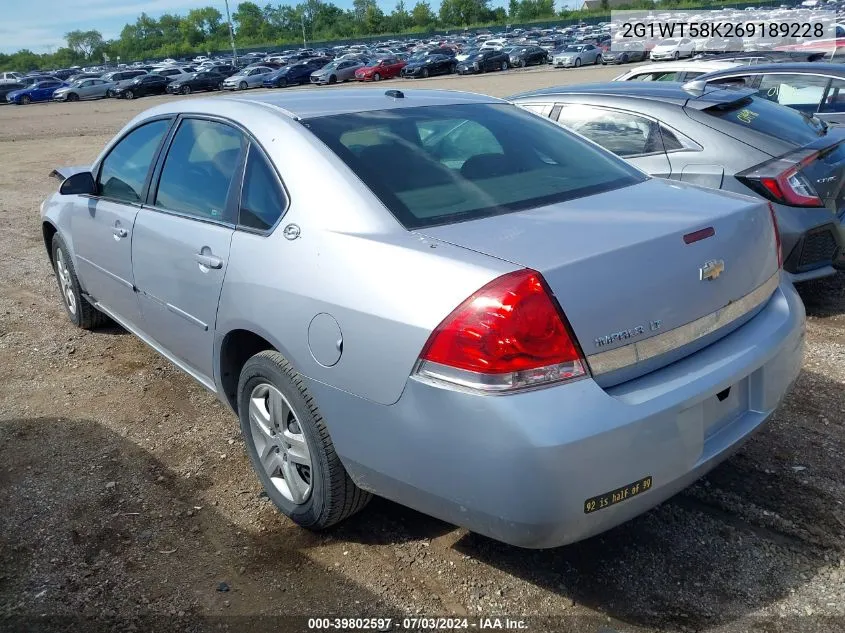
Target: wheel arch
{"points": [[48, 230], [234, 349]]}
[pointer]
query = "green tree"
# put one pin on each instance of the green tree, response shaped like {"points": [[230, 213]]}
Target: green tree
{"points": [[84, 43], [513, 9], [422, 15], [248, 20]]}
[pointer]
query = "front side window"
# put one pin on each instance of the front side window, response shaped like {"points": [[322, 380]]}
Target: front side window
{"points": [[657, 76], [199, 169], [262, 199], [443, 164], [622, 133], [802, 92], [125, 169]]}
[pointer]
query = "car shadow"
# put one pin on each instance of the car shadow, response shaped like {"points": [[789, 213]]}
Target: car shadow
{"points": [[97, 534], [823, 297]]}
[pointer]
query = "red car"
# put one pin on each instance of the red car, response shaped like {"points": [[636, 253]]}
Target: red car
{"points": [[382, 68]]}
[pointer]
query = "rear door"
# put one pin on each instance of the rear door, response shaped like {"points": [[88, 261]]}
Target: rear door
{"points": [[182, 239], [631, 136]]}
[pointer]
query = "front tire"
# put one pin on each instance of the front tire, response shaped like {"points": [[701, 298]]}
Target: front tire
{"points": [[598, 60], [73, 97], [505, 66], [26, 100], [425, 73], [676, 55], [129, 94], [290, 447], [80, 312], [332, 79], [186, 90], [242, 86], [376, 77], [577, 62]]}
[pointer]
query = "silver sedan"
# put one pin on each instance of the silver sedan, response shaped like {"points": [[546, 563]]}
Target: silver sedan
{"points": [[577, 55], [484, 316], [247, 78], [84, 89], [337, 71]]}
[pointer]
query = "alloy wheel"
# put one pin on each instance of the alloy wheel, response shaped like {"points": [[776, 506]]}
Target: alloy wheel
{"points": [[65, 281]]}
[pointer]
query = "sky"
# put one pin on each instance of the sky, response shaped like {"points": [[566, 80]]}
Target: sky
{"points": [[40, 25]]}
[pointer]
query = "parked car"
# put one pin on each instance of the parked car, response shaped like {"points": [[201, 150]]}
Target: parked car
{"points": [[504, 309], [675, 71], [82, 89], [812, 87], [624, 53], [673, 49], [175, 73], [727, 139], [523, 56], [577, 55], [6, 88], [40, 91], [31, 80], [338, 70], [247, 78], [296, 73], [199, 81], [380, 68], [483, 61], [10, 77], [430, 65], [122, 78], [152, 84]]}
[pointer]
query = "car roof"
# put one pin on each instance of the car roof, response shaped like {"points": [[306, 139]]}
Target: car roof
{"points": [[309, 104], [663, 91], [814, 68]]}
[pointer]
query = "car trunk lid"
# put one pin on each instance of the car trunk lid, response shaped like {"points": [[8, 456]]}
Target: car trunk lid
{"points": [[619, 263]]}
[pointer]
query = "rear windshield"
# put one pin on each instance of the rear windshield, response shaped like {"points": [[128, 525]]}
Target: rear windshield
{"points": [[442, 164], [770, 118]]}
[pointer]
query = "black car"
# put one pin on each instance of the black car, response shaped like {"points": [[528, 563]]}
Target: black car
{"points": [[142, 87], [7, 88], [814, 88], [429, 65], [204, 80], [624, 53], [296, 73], [484, 61], [523, 56]]}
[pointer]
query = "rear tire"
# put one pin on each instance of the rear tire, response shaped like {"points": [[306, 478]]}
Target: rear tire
{"points": [[505, 65], [598, 60], [80, 312], [220, 86], [280, 418]]}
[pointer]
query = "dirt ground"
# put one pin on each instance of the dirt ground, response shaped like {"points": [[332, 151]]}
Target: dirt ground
{"points": [[127, 502]]}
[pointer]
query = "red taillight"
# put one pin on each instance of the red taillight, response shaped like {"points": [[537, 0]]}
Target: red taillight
{"points": [[776, 228], [508, 335], [782, 181]]}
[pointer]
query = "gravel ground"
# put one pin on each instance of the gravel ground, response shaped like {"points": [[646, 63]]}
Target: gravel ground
{"points": [[128, 502]]}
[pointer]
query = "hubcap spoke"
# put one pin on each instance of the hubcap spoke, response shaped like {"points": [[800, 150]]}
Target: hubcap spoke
{"points": [[296, 486], [297, 449], [260, 417]]}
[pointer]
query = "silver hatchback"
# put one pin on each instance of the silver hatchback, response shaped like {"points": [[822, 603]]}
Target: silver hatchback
{"points": [[446, 325]]}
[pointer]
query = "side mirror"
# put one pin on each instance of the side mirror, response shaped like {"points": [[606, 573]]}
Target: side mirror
{"points": [[79, 184]]}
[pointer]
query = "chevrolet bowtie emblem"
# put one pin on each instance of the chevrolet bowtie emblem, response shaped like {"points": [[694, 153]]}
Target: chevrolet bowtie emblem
{"points": [[711, 269]]}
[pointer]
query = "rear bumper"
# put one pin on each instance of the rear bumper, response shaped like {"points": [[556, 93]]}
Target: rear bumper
{"points": [[520, 468], [813, 241]]}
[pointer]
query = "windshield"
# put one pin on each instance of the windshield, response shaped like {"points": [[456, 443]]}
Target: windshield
{"points": [[668, 43], [572, 49], [462, 162]]}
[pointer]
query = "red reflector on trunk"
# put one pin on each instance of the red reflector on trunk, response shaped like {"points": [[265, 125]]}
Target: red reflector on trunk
{"points": [[696, 236]]}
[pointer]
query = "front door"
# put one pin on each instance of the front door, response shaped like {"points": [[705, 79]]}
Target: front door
{"points": [[181, 245], [102, 225]]}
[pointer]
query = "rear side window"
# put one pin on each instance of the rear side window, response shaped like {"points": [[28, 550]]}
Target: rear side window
{"points": [[622, 133], [769, 118], [657, 76], [199, 169], [443, 164], [125, 169], [802, 92], [262, 199], [835, 99]]}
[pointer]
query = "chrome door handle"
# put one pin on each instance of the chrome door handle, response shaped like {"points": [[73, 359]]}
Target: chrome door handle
{"points": [[118, 232], [209, 261]]}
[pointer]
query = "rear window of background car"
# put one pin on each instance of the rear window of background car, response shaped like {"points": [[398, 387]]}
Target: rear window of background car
{"points": [[444, 164], [769, 118]]}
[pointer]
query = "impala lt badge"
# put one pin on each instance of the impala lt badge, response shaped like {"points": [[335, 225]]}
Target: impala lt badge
{"points": [[711, 270]]}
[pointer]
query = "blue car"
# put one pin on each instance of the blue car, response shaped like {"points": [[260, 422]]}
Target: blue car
{"points": [[297, 73], [41, 91]]}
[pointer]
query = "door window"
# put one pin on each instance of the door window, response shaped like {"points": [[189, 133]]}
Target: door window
{"points": [[657, 76], [199, 169], [622, 133], [835, 100], [262, 199], [125, 169], [802, 92]]}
